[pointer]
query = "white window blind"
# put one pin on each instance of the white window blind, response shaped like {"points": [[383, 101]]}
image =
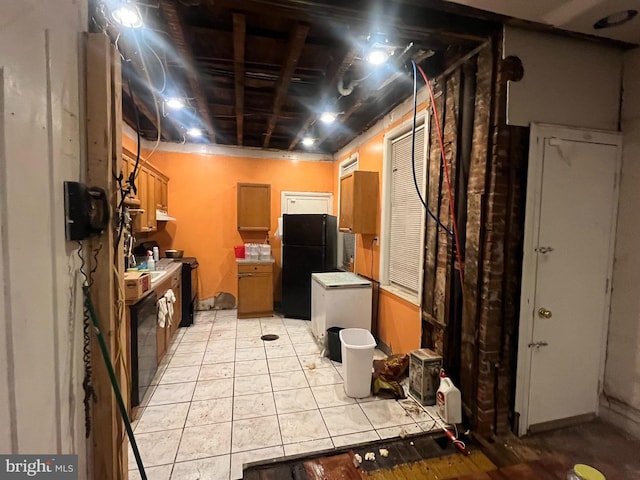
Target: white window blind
{"points": [[406, 212]]}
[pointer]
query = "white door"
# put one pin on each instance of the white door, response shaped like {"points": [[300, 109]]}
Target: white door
{"points": [[307, 202], [571, 212]]}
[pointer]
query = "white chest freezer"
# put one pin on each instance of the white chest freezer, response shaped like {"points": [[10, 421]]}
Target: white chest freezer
{"points": [[339, 299]]}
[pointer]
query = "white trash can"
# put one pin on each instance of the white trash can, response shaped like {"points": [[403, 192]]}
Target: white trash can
{"points": [[357, 360]]}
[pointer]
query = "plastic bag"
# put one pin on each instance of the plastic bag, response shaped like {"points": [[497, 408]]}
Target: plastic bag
{"points": [[388, 373]]}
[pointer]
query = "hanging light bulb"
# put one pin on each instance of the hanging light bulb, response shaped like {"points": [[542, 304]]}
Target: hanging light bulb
{"points": [[377, 56], [194, 132], [328, 117], [128, 15], [308, 140], [377, 51], [175, 103]]}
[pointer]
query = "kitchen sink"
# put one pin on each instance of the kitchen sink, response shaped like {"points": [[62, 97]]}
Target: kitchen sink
{"points": [[157, 274]]}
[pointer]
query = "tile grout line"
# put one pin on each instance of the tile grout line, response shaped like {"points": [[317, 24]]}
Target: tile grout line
{"points": [[316, 402], [233, 395], [190, 403], [264, 346]]}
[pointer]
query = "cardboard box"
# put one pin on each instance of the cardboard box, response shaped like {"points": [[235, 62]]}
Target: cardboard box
{"points": [[136, 284], [424, 375]]}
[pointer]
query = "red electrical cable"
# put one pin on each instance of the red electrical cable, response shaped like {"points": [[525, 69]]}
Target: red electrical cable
{"points": [[446, 174]]}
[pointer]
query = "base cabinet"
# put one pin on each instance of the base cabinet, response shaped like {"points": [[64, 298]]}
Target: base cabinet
{"points": [[255, 290], [164, 335]]}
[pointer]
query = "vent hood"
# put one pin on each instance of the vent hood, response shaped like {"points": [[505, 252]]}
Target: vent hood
{"points": [[163, 216]]}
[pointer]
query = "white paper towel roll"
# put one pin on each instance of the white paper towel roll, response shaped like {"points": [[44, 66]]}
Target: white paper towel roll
{"points": [[278, 233]]}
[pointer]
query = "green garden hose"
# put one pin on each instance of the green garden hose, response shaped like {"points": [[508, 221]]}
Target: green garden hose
{"points": [[88, 304]]}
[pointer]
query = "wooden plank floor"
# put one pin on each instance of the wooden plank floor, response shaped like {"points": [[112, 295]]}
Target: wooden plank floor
{"points": [[440, 468], [423, 457]]}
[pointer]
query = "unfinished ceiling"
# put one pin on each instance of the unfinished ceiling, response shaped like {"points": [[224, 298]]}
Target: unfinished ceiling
{"points": [[259, 73]]}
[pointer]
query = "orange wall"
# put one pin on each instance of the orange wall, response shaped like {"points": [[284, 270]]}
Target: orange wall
{"points": [[129, 144], [399, 324], [203, 198]]}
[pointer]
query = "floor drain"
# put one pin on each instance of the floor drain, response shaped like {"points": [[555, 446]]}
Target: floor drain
{"points": [[269, 337]]}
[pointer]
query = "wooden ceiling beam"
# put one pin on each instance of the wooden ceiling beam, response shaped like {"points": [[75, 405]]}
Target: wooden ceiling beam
{"points": [[176, 31], [337, 70], [412, 18], [239, 38], [296, 44]]}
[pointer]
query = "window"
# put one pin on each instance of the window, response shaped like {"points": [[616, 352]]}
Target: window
{"points": [[404, 215]]}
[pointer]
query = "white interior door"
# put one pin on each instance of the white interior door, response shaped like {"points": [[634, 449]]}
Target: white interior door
{"points": [[571, 211]]}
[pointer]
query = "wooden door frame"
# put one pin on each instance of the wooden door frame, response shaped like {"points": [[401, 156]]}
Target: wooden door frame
{"points": [[529, 265], [285, 195]]}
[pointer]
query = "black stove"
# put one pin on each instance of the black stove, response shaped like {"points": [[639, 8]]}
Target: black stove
{"points": [[189, 289]]}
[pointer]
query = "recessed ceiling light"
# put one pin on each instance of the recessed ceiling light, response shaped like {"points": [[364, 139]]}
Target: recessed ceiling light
{"points": [[377, 56], [615, 19], [328, 117], [128, 16], [308, 141], [175, 103], [194, 132]]}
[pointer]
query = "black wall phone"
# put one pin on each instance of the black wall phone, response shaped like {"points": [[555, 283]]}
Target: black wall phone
{"points": [[86, 210]]}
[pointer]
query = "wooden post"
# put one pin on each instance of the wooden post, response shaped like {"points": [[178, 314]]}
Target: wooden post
{"points": [[103, 109]]}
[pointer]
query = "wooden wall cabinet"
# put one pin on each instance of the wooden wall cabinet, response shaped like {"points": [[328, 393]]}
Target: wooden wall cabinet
{"points": [[162, 193], [152, 226], [153, 192], [358, 202], [254, 207], [255, 290], [141, 221]]}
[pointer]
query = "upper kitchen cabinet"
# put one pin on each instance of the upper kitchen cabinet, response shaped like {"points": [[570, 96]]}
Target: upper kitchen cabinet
{"points": [[254, 207], [161, 183], [151, 196], [359, 202], [151, 201]]}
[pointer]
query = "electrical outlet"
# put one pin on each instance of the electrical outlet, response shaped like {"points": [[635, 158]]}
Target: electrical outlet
{"points": [[376, 240]]}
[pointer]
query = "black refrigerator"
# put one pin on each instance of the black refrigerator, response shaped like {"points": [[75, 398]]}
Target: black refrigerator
{"points": [[309, 245]]}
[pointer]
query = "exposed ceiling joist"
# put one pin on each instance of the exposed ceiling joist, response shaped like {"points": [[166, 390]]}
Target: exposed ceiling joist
{"points": [[239, 36], [176, 31], [296, 44], [259, 71], [337, 70], [410, 18]]}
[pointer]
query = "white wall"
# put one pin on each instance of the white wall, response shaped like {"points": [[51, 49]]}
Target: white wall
{"points": [[566, 81], [41, 373], [621, 400]]}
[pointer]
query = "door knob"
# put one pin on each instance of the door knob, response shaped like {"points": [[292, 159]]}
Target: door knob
{"points": [[538, 344], [544, 313], [544, 250]]}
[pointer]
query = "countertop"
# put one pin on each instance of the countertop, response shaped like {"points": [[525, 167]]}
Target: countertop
{"points": [[261, 260], [165, 268], [340, 280]]}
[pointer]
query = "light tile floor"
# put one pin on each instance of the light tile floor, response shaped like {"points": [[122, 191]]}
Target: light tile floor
{"points": [[222, 397]]}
